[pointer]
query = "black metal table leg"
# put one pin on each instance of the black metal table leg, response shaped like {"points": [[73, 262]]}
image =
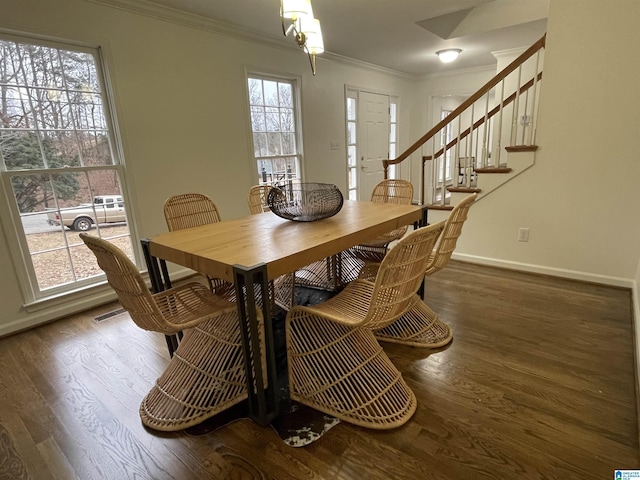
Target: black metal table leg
{"points": [[419, 224], [261, 382]]}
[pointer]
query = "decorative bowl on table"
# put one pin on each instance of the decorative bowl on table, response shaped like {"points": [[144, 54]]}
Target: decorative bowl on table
{"points": [[305, 202]]}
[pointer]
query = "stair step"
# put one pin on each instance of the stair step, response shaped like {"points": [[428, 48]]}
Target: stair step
{"points": [[464, 189], [521, 148], [493, 170], [439, 207]]}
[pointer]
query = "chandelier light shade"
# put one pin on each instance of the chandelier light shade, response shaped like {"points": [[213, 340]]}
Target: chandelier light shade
{"points": [[298, 20], [448, 55], [294, 9]]}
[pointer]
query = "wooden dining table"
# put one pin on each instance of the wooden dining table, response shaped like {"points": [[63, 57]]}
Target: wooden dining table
{"points": [[252, 250]]}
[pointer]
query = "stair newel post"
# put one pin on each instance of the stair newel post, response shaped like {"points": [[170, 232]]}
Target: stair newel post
{"points": [[516, 110]]}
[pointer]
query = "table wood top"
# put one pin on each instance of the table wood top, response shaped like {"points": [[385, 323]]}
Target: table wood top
{"points": [[283, 245]]}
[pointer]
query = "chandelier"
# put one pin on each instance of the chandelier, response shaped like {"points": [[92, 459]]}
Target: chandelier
{"points": [[297, 19]]}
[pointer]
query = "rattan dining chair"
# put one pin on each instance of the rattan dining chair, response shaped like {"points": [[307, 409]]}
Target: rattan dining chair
{"points": [[421, 326], [257, 198], [387, 191], [335, 363], [188, 210], [282, 288], [206, 374]]}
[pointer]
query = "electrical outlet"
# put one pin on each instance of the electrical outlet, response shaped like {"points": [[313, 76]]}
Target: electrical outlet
{"points": [[523, 235]]}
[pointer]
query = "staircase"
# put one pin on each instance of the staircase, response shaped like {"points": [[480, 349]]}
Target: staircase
{"points": [[485, 142]]}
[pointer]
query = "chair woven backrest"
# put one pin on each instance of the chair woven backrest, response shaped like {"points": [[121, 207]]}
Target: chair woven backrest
{"points": [[189, 210], [257, 198], [452, 230], [124, 277], [400, 275], [393, 191]]}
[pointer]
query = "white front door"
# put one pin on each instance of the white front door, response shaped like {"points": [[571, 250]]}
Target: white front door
{"points": [[373, 141]]}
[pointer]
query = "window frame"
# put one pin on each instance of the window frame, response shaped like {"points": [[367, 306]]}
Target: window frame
{"points": [[15, 235], [352, 94], [295, 83]]}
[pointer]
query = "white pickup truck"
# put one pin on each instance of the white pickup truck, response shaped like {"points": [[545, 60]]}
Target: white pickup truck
{"points": [[104, 209]]}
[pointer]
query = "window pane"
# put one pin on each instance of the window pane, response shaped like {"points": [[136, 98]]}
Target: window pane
{"points": [[351, 108], [286, 95], [95, 148], [257, 119], [22, 150], [351, 152], [351, 132], [87, 111], [273, 119], [392, 151], [255, 92], [60, 149], [392, 132], [353, 183], [271, 93], [273, 144], [286, 120], [288, 143], [392, 112], [260, 145], [18, 112]]}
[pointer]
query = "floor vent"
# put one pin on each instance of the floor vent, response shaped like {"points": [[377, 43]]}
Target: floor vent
{"points": [[104, 316]]}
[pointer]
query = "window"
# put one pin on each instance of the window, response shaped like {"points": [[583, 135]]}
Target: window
{"points": [[393, 135], [352, 162], [57, 154], [274, 124]]}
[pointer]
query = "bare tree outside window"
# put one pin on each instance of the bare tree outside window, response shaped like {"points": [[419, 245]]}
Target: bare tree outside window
{"points": [[273, 124], [56, 157]]}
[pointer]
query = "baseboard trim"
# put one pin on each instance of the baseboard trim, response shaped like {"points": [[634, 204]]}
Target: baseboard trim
{"points": [[555, 272]]}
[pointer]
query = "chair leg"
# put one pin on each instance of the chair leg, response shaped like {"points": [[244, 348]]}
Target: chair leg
{"points": [[419, 327]]}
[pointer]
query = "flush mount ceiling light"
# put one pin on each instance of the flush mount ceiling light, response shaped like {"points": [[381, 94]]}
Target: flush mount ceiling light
{"points": [[298, 14], [448, 55]]}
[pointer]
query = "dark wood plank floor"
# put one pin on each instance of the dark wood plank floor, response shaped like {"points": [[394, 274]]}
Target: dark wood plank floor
{"points": [[537, 384]]}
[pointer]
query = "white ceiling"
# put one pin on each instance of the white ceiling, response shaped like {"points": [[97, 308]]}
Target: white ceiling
{"points": [[398, 35]]}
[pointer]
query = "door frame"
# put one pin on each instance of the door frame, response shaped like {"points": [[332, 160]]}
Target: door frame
{"points": [[352, 91]]}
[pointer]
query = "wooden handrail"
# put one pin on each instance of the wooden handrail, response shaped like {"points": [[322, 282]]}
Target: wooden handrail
{"points": [[490, 114], [467, 103]]}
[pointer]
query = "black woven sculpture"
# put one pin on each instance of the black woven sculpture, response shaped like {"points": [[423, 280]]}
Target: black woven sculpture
{"points": [[305, 202]]}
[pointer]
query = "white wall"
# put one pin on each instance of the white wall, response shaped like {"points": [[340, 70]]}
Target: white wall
{"points": [[580, 198], [181, 106]]}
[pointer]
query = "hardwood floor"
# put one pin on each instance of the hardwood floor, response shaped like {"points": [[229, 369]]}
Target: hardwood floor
{"points": [[538, 383]]}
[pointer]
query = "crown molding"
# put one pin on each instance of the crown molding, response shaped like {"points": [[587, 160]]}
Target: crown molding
{"points": [[172, 15]]}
